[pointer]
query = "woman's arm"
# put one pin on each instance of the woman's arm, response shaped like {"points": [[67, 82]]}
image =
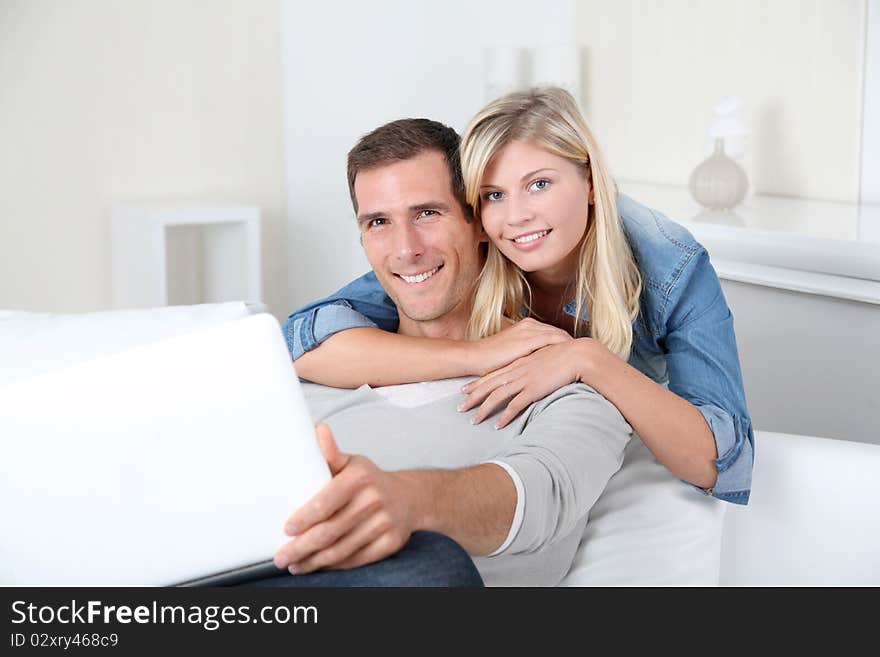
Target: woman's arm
{"points": [[361, 303], [699, 428], [671, 427], [349, 338], [353, 357]]}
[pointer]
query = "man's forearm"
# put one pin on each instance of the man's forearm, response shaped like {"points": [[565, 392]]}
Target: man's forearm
{"points": [[474, 506]]}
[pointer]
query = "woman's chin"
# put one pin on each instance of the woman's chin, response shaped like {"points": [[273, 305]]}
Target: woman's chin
{"points": [[527, 262]]}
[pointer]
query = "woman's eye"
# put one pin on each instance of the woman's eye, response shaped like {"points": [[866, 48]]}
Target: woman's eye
{"points": [[540, 184], [493, 196]]}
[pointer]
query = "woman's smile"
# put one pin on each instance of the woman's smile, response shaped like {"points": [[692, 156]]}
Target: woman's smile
{"points": [[532, 240]]}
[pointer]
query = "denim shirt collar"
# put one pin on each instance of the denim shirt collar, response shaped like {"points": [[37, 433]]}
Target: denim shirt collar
{"points": [[568, 309], [571, 307]]}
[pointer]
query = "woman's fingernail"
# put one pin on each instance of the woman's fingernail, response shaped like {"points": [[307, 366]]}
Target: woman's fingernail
{"points": [[293, 569], [290, 529], [460, 407], [497, 426], [281, 561]]}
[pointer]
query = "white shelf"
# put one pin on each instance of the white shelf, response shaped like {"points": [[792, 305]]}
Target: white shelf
{"points": [[185, 253], [827, 285], [819, 237]]}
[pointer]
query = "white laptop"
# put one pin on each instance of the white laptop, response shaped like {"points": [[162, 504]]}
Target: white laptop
{"points": [[173, 462]]}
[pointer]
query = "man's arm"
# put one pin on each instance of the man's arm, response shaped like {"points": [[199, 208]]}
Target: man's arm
{"points": [[366, 514], [474, 506], [572, 444]]}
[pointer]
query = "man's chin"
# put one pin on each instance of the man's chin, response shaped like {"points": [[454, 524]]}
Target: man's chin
{"points": [[417, 312], [421, 314]]}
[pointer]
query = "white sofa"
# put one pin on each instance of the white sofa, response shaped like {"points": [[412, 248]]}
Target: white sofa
{"points": [[813, 518]]}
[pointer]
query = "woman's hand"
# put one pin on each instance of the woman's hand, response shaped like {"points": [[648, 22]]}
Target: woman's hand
{"points": [[526, 380], [516, 341]]}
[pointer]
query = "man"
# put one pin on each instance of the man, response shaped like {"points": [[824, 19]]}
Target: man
{"points": [[516, 499]]}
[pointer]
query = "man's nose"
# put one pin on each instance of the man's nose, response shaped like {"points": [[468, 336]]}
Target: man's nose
{"points": [[407, 241]]}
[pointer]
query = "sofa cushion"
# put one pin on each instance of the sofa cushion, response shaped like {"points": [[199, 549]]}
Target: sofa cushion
{"points": [[813, 517], [648, 528], [33, 343]]}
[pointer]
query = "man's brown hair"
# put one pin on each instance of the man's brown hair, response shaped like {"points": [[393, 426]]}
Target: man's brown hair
{"points": [[402, 140]]}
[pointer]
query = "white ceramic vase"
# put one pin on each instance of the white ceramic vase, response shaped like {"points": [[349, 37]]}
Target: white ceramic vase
{"points": [[718, 183]]}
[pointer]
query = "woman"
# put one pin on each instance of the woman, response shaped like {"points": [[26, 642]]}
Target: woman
{"points": [[652, 331]]}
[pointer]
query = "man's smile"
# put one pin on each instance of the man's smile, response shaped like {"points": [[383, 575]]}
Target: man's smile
{"points": [[416, 278]]}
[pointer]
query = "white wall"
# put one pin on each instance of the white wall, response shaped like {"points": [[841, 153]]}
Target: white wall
{"points": [[350, 67], [656, 69], [104, 101], [653, 71], [870, 186]]}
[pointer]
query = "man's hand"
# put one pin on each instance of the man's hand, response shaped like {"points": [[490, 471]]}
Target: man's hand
{"points": [[518, 340], [362, 515]]}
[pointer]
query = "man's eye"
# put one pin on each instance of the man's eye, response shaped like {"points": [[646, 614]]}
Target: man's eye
{"points": [[493, 196], [540, 185], [427, 213], [375, 223]]}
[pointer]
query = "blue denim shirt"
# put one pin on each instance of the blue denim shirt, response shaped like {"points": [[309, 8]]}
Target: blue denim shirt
{"points": [[682, 338]]}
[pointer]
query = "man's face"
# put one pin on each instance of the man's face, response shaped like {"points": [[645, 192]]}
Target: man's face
{"points": [[415, 234]]}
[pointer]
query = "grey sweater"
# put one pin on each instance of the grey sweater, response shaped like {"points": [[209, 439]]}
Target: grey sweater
{"points": [[564, 449]]}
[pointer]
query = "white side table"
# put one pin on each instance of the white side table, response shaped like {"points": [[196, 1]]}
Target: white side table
{"points": [[184, 253]]}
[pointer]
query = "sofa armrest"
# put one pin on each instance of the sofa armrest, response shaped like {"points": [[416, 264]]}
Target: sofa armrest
{"points": [[813, 516]]}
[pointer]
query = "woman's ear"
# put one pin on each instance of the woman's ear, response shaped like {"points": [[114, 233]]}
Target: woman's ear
{"points": [[588, 181]]}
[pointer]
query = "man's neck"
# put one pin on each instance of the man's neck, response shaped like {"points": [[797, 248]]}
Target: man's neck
{"points": [[451, 326]]}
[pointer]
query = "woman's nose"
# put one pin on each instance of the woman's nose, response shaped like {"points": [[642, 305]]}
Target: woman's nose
{"points": [[519, 212]]}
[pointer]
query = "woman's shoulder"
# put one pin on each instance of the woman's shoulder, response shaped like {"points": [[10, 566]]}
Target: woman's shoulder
{"points": [[662, 248]]}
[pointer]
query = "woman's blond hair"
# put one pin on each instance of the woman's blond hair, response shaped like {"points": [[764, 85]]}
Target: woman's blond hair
{"points": [[608, 282]]}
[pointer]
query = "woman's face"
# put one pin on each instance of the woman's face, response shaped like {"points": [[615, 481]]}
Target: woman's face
{"points": [[534, 208]]}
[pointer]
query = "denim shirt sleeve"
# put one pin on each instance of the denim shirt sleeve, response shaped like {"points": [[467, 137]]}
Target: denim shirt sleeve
{"points": [[703, 367], [361, 303]]}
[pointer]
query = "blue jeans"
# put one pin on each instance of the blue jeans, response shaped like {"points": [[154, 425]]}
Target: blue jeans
{"points": [[428, 559]]}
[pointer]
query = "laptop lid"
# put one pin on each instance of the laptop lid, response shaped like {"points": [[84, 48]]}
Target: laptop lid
{"points": [[166, 463]]}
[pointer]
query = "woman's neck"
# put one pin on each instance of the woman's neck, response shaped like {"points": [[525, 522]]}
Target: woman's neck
{"points": [[547, 305], [558, 282], [551, 290], [550, 286], [559, 279]]}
